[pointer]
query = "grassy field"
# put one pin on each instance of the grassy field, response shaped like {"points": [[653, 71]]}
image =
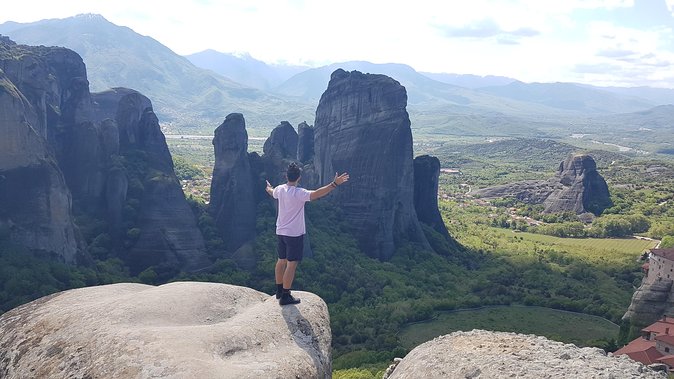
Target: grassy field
{"points": [[568, 327], [596, 250]]}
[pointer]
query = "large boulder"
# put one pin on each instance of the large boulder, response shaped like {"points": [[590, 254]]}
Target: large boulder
{"points": [[483, 354], [35, 203], [233, 202], [362, 127], [178, 330], [426, 177]]}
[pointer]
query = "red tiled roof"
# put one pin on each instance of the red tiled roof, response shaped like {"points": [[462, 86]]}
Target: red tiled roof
{"points": [[637, 345], [667, 359], [647, 357], [660, 326], [666, 338], [665, 253]]}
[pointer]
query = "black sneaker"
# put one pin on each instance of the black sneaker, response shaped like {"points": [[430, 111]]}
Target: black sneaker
{"points": [[279, 293], [287, 298]]}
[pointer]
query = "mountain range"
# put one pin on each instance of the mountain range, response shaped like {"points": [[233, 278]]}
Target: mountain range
{"points": [[192, 94]]}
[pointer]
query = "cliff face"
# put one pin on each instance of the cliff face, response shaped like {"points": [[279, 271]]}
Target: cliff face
{"points": [[35, 200], [178, 330], [582, 188], [577, 187], [233, 202], [362, 127], [426, 176], [650, 302], [280, 149], [168, 233], [35, 203], [106, 149]]}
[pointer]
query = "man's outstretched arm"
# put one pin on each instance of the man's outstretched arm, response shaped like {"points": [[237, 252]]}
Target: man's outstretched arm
{"points": [[326, 189], [269, 189]]}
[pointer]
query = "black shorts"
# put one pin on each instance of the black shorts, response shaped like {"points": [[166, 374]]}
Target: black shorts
{"points": [[290, 248]]}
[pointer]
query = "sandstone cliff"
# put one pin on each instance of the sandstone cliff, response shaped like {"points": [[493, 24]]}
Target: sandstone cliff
{"points": [[168, 234], [233, 202], [35, 202], [362, 127], [111, 153], [577, 187], [483, 354], [426, 176], [178, 330]]}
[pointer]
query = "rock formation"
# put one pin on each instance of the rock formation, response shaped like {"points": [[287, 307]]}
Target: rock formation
{"points": [[577, 187], [35, 203], [111, 152], [305, 142], [233, 202], [362, 127], [426, 176], [279, 150], [583, 189], [168, 234], [178, 330], [483, 354], [650, 302]]}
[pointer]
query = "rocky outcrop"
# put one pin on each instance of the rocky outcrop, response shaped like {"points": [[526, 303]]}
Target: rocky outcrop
{"points": [[583, 189], [233, 202], [35, 202], [279, 150], [178, 330], [305, 142], [577, 187], [483, 354], [167, 232], [363, 128], [650, 302], [426, 176]]}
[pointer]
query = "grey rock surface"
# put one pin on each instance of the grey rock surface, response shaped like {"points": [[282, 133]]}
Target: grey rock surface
{"points": [[168, 227], [362, 127], [280, 149], [305, 142], [484, 354], [650, 302], [426, 176], [577, 187], [233, 202], [583, 189], [178, 330], [35, 203]]}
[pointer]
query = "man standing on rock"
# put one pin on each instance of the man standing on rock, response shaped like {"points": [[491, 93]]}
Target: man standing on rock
{"points": [[290, 227]]}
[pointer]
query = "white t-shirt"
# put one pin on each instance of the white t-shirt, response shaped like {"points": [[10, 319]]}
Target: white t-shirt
{"points": [[290, 220]]}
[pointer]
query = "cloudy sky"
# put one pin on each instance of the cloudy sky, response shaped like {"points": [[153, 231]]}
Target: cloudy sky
{"points": [[600, 42]]}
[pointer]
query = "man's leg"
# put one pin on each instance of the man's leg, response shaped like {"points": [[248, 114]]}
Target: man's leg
{"points": [[282, 251], [289, 274], [278, 273], [295, 251]]}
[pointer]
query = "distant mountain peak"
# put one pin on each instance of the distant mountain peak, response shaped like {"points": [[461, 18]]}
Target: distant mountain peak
{"points": [[90, 16]]}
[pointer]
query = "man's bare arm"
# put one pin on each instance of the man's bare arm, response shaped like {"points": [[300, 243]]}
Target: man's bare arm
{"points": [[269, 189], [326, 189]]}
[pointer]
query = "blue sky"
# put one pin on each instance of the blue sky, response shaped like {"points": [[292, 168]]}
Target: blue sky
{"points": [[600, 42]]}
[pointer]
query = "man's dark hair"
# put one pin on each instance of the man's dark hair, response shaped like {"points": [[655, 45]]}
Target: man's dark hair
{"points": [[293, 172]]}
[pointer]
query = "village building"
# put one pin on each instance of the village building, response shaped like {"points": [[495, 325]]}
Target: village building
{"points": [[660, 265], [656, 344]]}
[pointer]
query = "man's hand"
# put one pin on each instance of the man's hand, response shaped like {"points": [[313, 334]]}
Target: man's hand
{"points": [[269, 189], [339, 179]]}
